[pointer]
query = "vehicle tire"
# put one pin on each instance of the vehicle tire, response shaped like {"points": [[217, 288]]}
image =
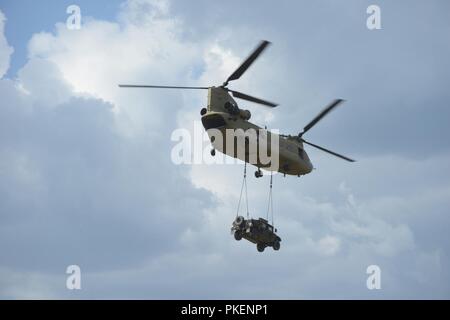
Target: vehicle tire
{"points": [[238, 235], [239, 220], [260, 247], [213, 152], [276, 245]]}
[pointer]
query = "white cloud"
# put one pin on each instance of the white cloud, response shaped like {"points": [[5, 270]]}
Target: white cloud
{"points": [[329, 245], [95, 59], [5, 50], [43, 82]]}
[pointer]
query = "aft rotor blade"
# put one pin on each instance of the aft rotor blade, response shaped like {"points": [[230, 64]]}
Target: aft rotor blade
{"points": [[244, 96], [247, 63], [160, 87], [329, 151], [322, 114]]}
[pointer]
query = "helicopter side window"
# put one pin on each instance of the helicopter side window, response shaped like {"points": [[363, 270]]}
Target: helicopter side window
{"points": [[213, 121], [300, 153]]}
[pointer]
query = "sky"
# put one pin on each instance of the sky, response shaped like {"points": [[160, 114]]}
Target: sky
{"points": [[87, 179]]}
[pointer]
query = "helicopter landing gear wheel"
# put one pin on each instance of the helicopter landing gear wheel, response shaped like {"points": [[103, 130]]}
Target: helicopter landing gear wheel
{"points": [[258, 173], [213, 152], [260, 247]]}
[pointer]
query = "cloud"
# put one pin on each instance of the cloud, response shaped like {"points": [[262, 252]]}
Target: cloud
{"points": [[329, 245], [76, 187], [86, 176], [42, 81], [5, 50]]}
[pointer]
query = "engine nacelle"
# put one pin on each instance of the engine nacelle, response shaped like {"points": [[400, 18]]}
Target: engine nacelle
{"points": [[234, 110], [245, 114]]}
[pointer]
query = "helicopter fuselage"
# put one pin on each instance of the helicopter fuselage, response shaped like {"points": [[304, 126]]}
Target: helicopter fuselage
{"points": [[283, 153], [223, 114]]}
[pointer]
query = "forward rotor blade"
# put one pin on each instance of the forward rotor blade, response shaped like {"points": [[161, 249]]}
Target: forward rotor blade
{"points": [[247, 62], [322, 114], [244, 96], [329, 151], [161, 87]]}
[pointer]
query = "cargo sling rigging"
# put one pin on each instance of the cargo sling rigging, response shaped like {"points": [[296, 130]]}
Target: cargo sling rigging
{"points": [[244, 184], [270, 202], [244, 190]]}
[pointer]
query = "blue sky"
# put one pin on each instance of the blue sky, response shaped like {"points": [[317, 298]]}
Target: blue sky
{"points": [[86, 176], [28, 17]]}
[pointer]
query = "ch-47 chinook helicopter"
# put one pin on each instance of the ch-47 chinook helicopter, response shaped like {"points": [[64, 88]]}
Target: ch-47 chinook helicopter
{"points": [[222, 112]]}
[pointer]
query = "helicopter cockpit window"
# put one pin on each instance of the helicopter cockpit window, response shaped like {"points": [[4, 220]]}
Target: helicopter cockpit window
{"points": [[213, 121]]}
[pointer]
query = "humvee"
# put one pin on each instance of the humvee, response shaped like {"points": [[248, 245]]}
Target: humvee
{"points": [[258, 231]]}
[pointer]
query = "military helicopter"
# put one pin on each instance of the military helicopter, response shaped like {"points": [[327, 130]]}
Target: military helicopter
{"points": [[222, 113]]}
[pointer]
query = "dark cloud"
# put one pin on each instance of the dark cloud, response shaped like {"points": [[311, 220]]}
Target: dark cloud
{"points": [[87, 178], [74, 189], [394, 79]]}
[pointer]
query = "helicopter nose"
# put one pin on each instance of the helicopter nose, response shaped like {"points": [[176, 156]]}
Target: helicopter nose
{"points": [[309, 166]]}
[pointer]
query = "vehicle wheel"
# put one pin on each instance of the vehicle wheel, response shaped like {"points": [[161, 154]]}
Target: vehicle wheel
{"points": [[239, 220], [237, 235], [260, 247], [213, 152], [258, 174], [276, 245]]}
